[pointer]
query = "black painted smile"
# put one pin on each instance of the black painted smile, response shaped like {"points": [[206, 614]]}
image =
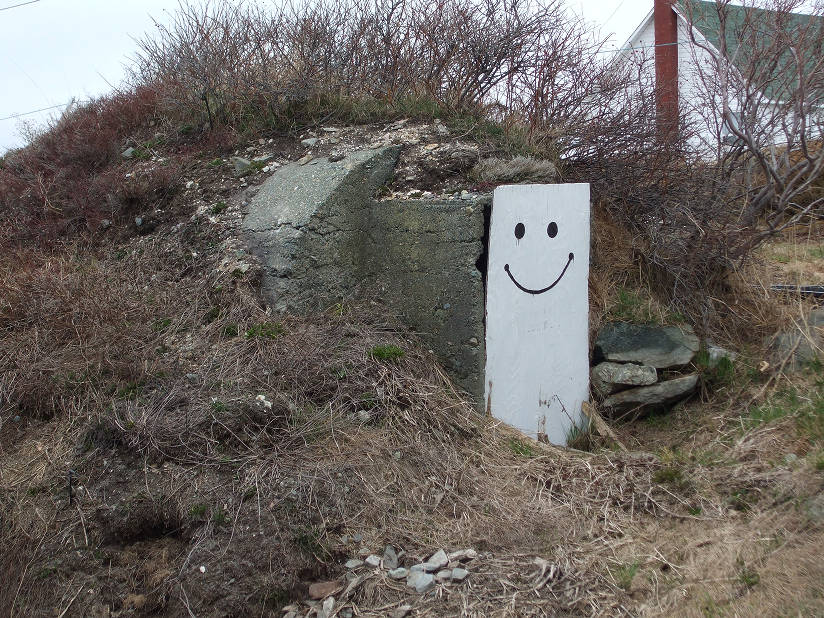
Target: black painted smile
{"points": [[546, 289]]}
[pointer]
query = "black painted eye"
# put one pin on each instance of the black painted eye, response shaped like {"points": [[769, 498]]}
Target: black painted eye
{"points": [[552, 229], [520, 230]]}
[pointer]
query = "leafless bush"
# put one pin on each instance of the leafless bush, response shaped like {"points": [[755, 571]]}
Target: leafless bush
{"points": [[458, 54], [762, 83]]}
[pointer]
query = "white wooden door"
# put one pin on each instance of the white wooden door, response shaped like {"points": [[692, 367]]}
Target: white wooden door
{"points": [[537, 312]]}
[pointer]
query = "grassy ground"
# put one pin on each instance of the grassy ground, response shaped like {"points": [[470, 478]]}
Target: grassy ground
{"points": [[169, 447]]}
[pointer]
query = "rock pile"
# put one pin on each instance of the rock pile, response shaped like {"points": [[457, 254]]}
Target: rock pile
{"points": [[439, 568], [628, 361]]}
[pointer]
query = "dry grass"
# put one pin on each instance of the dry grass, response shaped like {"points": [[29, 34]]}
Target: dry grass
{"points": [[145, 384]]}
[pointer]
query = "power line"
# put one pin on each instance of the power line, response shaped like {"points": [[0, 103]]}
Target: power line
{"points": [[14, 6], [618, 8], [631, 48], [34, 111]]}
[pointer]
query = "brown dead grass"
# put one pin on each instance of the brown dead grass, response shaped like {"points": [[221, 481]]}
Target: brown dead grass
{"points": [[131, 366]]}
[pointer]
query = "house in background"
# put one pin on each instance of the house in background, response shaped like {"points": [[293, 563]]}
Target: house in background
{"points": [[681, 40]]}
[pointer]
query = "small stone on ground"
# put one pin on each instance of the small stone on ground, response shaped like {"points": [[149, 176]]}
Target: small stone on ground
{"points": [[420, 581]]}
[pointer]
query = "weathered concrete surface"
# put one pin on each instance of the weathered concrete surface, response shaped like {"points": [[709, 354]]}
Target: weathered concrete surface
{"points": [[322, 238], [306, 224], [420, 260]]}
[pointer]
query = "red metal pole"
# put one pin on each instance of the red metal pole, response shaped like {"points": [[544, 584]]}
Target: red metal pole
{"points": [[666, 66]]}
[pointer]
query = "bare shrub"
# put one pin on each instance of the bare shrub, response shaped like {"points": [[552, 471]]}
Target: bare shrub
{"points": [[763, 85], [458, 54], [55, 180]]}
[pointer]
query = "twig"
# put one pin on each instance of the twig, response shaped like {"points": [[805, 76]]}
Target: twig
{"points": [[774, 375], [63, 613]]}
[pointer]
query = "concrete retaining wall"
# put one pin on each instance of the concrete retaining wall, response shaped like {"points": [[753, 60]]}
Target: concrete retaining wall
{"points": [[322, 238]]}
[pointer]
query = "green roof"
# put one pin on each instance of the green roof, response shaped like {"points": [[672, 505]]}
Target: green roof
{"points": [[741, 44]]}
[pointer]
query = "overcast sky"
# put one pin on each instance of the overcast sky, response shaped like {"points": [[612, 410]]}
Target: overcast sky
{"points": [[53, 50]]}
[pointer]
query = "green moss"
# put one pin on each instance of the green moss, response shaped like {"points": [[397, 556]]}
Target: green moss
{"points": [[671, 475], [219, 516], [521, 447], [211, 315], [265, 330], [389, 352], [161, 324], [219, 207]]}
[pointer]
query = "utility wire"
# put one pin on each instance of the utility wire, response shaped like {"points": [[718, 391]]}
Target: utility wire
{"points": [[34, 111], [618, 8], [14, 6], [612, 51]]}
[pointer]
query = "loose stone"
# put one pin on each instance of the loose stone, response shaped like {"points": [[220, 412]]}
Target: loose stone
{"points": [[420, 581], [390, 558], [458, 575], [438, 560]]}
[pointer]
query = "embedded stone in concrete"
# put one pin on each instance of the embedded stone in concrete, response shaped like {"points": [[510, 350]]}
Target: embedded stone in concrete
{"points": [[610, 377], [661, 347], [322, 238], [645, 399]]}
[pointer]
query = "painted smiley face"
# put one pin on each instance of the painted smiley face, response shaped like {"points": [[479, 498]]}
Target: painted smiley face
{"points": [[552, 232]]}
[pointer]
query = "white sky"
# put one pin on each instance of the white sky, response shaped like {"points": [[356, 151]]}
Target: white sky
{"points": [[53, 50]]}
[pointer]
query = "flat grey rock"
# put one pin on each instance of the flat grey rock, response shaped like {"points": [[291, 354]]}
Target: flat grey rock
{"points": [[645, 399], [402, 611], [609, 377], [390, 558], [373, 560], [815, 508], [661, 347], [800, 348], [438, 560], [443, 575], [458, 575], [241, 165], [420, 581], [398, 573], [462, 555], [353, 564], [715, 354]]}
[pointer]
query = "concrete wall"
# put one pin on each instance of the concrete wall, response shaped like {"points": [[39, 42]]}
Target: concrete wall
{"points": [[322, 238], [420, 260]]}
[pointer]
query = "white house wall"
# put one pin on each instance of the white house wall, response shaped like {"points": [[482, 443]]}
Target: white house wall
{"points": [[693, 99]]}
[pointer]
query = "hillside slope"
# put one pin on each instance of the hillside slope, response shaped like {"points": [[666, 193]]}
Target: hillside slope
{"points": [[170, 447]]}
